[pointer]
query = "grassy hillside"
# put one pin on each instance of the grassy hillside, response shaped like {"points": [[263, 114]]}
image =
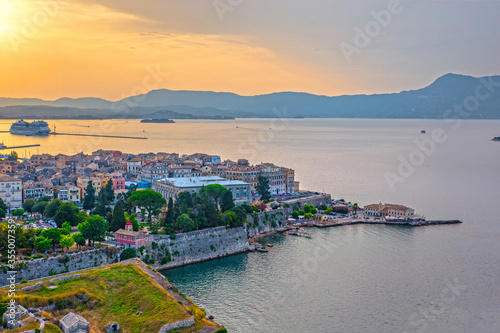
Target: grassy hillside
{"points": [[111, 293]]}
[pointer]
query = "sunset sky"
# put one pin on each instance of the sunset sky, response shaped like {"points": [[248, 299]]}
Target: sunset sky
{"points": [[102, 48]]}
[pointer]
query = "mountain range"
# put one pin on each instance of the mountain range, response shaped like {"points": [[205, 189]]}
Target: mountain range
{"points": [[479, 95]]}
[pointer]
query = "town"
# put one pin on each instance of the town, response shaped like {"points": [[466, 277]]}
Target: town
{"points": [[110, 209]]}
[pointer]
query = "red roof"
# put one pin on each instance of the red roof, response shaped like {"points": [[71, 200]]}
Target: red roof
{"points": [[128, 223]]}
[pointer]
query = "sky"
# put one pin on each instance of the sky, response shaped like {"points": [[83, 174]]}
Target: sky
{"points": [[117, 48]]}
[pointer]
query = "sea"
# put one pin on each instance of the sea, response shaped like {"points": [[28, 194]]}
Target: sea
{"points": [[362, 278]]}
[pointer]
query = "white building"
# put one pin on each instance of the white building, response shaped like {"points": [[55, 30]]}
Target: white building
{"points": [[11, 192], [171, 187]]}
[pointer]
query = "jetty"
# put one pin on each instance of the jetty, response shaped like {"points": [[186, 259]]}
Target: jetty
{"points": [[101, 136], [404, 223], [16, 147]]}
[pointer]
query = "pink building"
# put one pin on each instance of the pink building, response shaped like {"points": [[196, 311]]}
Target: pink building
{"points": [[118, 182], [131, 238]]}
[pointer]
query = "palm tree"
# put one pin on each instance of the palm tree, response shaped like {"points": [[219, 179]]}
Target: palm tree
{"points": [[355, 207]]}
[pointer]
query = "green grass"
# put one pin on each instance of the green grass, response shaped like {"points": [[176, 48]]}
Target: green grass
{"points": [[51, 328], [115, 293]]}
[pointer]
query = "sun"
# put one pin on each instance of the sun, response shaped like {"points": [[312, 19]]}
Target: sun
{"points": [[6, 11]]}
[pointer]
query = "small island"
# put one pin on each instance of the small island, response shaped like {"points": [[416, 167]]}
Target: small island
{"points": [[162, 121], [496, 138]]}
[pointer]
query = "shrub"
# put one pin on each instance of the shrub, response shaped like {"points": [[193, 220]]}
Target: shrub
{"points": [[128, 253], [27, 258], [24, 281], [154, 245]]}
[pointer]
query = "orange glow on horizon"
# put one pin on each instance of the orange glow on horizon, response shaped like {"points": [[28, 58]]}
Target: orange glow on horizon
{"points": [[73, 49]]}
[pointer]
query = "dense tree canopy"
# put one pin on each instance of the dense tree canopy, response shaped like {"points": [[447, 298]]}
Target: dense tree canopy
{"points": [[93, 228], [66, 213], [150, 200], [52, 207]]}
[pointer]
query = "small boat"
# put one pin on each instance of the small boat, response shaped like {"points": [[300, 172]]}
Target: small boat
{"points": [[423, 131], [269, 245]]}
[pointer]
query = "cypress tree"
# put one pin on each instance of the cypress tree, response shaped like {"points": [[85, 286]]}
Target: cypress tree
{"points": [[118, 219]]}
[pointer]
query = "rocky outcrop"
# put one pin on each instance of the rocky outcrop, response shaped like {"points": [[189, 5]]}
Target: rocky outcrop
{"points": [[179, 324], [194, 246], [265, 222]]}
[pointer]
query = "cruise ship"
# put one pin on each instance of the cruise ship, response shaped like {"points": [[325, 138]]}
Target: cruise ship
{"points": [[38, 127]]}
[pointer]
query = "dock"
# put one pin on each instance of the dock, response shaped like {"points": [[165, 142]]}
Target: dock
{"points": [[407, 223], [16, 147], [94, 135], [101, 136]]}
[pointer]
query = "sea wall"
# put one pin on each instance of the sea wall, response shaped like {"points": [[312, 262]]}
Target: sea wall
{"points": [[195, 246], [65, 263], [265, 222]]}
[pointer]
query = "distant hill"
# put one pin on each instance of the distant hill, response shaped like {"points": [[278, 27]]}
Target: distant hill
{"points": [[431, 102]]}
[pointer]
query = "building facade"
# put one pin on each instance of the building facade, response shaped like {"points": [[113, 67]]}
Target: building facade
{"points": [[171, 187], [11, 192]]}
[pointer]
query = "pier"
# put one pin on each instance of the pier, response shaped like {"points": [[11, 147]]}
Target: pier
{"points": [[101, 136], [407, 223], [15, 147]]}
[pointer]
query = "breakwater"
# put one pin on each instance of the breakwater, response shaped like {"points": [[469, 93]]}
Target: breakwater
{"points": [[407, 223]]}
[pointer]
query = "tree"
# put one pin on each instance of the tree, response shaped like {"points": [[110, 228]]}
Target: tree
{"points": [[169, 215], [81, 216], [42, 243], [3, 205], [89, 198], [13, 156], [308, 215], [66, 226], [28, 205], [52, 207], [67, 241], [29, 236], [355, 207], [64, 213], [128, 253], [263, 188], [295, 214], [106, 195], [93, 228], [2, 213], [118, 218], [215, 192], [110, 193], [79, 239], [185, 223], [39, 207], [54, 235], [231, 219], [18, 212], [226, 202], [150, 200]]}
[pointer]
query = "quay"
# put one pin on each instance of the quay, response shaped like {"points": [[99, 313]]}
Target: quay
{"points": [[101, 136], [407, 223], [14, 147]]}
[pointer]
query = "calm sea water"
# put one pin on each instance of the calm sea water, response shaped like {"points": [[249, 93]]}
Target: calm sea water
{"points": [[349, 279]]}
